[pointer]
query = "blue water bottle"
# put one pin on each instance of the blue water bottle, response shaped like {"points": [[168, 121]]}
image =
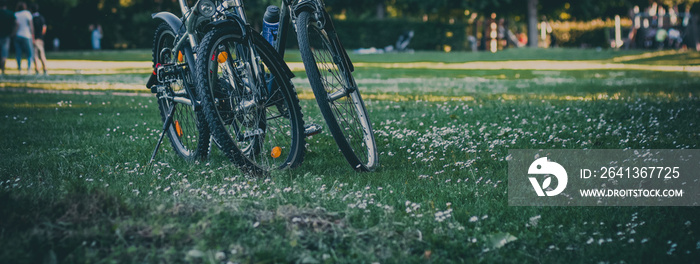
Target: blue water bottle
{"points": [[271, 24]]}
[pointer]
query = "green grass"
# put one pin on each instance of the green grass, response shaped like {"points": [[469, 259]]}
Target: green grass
{"points": [[419, 56], [557, 54], [686, 58], [75, 185]]}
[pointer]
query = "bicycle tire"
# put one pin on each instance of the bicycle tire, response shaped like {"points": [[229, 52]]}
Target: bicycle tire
{"points": [[256, 135], [188, 134], [346, 116]]}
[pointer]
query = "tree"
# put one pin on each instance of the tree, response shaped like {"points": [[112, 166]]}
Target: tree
{"points": [[375, 9], [532, 23], [129, 22], [687, 3]]}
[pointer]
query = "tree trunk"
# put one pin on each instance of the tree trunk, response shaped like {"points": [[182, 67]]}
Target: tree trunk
{"points": [[381, 11], [532, 35]]}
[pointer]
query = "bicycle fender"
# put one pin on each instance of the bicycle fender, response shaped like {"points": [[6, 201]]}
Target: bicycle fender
{"points": [[172, 20], [329, 27], [347, 57], [233, 22], [174, 23], [304, 5]]}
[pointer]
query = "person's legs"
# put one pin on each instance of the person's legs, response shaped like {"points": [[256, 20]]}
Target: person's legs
{"points": [[36, 53], [4, 52], [18, 53], [42, 49], [24, 45], [39, 55], [29, 48]]}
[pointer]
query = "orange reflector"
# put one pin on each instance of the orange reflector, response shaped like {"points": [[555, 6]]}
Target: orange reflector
{"points": [[179, 56], [223, 56], [178, 128], [276, 152]]}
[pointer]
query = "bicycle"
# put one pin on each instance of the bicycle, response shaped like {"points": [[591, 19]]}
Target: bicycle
{"points": [[248, 100], [247, 96], [172, 82], [329, 71]]}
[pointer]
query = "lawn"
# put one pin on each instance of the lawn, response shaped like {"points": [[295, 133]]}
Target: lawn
{"points": [[75, 185]]}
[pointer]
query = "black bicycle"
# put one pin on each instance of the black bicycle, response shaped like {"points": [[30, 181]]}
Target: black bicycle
{"points": [[173, 82], [247, 95], [329, 71]]}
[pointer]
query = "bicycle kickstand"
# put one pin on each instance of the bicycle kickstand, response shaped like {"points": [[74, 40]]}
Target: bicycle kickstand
{"points": [[166, 126]]}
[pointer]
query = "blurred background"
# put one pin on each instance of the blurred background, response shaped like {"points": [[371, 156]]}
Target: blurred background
{"points": [[438, 25]]}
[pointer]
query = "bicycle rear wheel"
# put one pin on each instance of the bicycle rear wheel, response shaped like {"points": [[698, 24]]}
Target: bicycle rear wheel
{"points": [[254, 115], [336, 93], [189, 134]]}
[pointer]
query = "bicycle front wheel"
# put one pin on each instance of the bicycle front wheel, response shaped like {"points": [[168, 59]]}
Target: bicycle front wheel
{"points": [[250, 103], [336, 93], [188, 133]]}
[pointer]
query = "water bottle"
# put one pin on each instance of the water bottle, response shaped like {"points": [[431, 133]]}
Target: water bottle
{"points": [[271, 24]]}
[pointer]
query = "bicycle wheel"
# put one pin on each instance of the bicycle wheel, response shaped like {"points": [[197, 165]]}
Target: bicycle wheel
{"points": [[250, 103], [188, 133], [336, 93]]}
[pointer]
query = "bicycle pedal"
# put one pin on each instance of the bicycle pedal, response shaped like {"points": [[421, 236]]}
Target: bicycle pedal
{"points": [[158, 88], [312, 129]]}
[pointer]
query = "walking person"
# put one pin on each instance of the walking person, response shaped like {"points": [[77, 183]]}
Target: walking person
{"points": [[96, 36], [39, 33], [24, 36], [7, 28]]}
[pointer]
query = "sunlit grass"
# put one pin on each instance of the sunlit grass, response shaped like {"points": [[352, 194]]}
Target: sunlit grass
{"points": [[431, 56]]}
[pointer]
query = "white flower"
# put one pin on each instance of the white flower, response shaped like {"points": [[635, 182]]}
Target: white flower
{"points": [[535, 220]]}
